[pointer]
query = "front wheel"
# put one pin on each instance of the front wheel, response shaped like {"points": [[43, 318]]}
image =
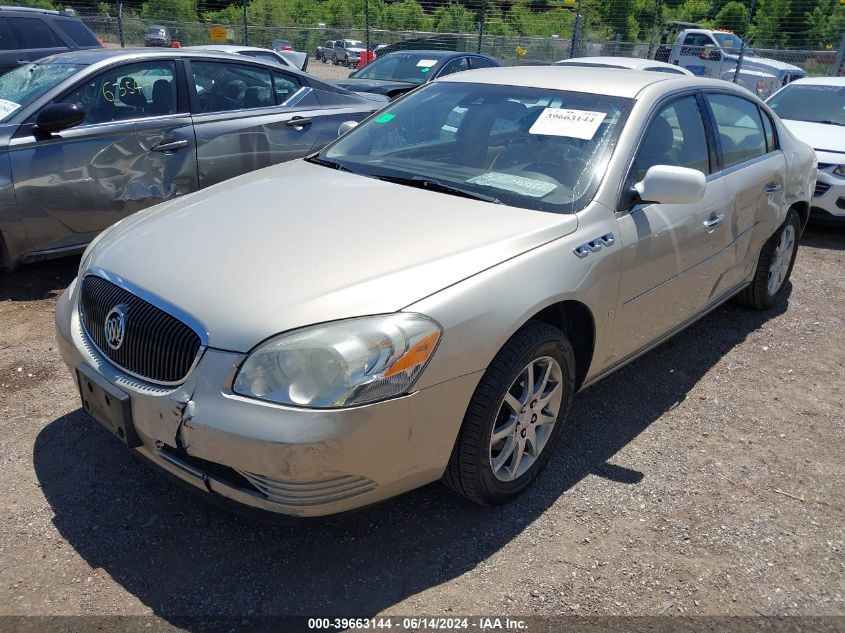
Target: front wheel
{"points": [[774, 266], [515, 417]]}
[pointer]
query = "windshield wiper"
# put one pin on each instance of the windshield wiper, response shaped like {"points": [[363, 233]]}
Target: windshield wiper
{"points": [[829, 122], [435, 185], [326, 163]]}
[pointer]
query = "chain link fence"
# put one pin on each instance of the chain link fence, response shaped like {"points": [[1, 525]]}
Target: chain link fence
{"points": [[510, 49]]}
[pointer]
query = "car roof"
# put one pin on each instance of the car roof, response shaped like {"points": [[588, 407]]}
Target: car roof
{"points": [[624, 62], [435, 54], [229, 48], [820, 81], [615, 82], [5, 8], [93, 56]]}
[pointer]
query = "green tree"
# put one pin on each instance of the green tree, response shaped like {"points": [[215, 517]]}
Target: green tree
{"points": [[732, 17], [407, 15], [771, 24], [825, 24], [617, 16], [454, 18], [176, 10]]}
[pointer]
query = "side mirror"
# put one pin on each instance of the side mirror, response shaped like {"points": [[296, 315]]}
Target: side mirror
{"points": [[344, 127], [665, 184], [59, 116]]}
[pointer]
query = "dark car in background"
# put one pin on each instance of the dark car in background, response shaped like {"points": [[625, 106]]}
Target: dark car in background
{"points": [[30, 34], [157, 35], [88, 138], [281, 45], [396, 73]]}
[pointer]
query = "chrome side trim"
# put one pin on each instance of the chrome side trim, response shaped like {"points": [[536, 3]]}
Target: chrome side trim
{"points": [[193, 323]]}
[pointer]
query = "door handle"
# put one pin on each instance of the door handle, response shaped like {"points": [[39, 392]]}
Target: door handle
{"points": [[714, 221], [772, 187], [170, 146], [298, 121]]}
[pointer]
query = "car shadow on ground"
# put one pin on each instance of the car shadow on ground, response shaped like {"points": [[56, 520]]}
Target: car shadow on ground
{"points": [[182, 557], [41, 280], [827, 236]]}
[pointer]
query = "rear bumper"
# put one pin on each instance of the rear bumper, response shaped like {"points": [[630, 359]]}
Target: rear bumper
{"points": [[277, 459]]}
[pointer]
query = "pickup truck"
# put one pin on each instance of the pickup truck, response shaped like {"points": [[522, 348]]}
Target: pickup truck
{"points": [[345, 52], [710, 53]]}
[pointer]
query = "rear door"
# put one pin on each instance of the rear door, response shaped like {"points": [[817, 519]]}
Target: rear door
{"points": [[754, 170], [135, 149], [672, 254], [247, 116]]}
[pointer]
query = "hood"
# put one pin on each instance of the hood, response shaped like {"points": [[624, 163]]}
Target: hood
{"points": [[827, 140], [377, 86], [297, 244], [767, 65]]}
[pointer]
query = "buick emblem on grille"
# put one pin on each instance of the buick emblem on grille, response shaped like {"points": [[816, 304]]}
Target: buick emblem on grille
{"points": [[115, 326]]}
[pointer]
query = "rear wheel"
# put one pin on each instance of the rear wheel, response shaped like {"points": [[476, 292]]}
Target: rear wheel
{"points": [[515, 417], [774, 266]]}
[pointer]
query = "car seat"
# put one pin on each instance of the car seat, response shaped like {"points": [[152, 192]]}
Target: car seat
{"points": [[163, 100]]}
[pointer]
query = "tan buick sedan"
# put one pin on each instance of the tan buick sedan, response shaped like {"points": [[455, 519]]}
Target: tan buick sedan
{"points": [[422, 299]]}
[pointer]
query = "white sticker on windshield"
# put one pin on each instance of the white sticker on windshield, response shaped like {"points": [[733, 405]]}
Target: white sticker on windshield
{"points": [[8, 106], [573, 123], [517, 184], [426, 63]]}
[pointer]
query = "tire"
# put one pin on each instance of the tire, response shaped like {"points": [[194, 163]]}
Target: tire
{"points": [[471, 472], [760, 294]]}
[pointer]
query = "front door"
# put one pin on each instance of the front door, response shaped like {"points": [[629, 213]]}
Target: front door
{"points": [[247, 117], [133, 150], [671, 253]]}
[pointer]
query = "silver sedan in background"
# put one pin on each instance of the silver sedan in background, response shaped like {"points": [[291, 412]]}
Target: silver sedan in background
{"points": [[423, 298], [87, 138]]}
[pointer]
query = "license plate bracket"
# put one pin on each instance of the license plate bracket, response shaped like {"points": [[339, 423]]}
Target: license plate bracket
{"points": [[107, 404]]}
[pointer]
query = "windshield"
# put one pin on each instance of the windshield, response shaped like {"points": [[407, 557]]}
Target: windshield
{"points": [[806, 102], [23, 85], [526, 147], [354, 44], [398, 67], [731, 43]]}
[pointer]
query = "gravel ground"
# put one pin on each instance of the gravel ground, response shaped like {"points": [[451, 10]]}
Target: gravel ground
{"points": [[705, 478]]}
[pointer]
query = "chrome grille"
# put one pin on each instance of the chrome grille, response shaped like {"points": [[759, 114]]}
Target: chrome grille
{"points": [[156, 345], [821, 189], [309, 493]]}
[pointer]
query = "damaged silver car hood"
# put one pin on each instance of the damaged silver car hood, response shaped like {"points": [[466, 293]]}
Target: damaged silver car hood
{"points": [[298, 244]]}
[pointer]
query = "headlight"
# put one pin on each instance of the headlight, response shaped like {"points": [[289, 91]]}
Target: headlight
{"points": [[840, 171], [340, 364]]}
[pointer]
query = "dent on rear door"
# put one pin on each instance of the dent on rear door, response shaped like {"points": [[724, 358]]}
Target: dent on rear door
{"points": [[230, 144]]}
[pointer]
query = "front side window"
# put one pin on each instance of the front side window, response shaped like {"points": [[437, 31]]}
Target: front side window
{"points": [[808, 102], [532, 148], [223, 87], [34, 33], [129, 91], [675, 137], [23, 85], [739, 127]]}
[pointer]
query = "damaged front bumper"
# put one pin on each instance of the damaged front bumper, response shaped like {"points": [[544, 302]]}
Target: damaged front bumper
{"points": [[271, 457]]}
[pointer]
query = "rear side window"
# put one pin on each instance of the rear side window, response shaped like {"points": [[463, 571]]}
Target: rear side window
{"points": [[8, 41], [698, 39], [739, 128], [675, 137], [459, 64], [664, 69], [769, 130], [34, 33], [223, 87], [479, 62], [284, 86], [78, 32]]}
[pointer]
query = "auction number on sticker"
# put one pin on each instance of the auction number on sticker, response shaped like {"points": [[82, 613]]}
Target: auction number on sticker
{"points": [[343, 624]]}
